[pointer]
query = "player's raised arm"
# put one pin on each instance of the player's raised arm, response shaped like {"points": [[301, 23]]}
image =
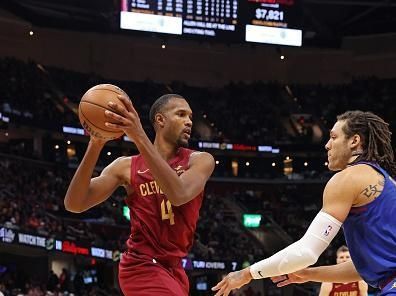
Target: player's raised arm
{"points": [[194, 179], [83, 192], [179, 190], [177, 117]]}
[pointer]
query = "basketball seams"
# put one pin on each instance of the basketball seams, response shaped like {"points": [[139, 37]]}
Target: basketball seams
{"points": [[97, 102], [111, 90], [90, 122]]}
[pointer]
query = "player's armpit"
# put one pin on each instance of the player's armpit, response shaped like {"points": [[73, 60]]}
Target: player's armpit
{"points": [[201, 166]]}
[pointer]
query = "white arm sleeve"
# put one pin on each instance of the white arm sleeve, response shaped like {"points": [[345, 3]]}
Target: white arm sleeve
{"points": [[303, 252]]}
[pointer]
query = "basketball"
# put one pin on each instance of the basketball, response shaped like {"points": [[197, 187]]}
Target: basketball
{"points": [[93, 105]]}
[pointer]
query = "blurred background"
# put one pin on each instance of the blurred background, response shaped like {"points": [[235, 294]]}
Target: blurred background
{"points": [[265, 79]]}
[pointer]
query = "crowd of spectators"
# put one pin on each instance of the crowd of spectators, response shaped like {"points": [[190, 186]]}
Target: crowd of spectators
{"points": [[42, 97], [31, 199], [219, 234], [235, 113], [327, 101], [27, 97], [255, 113], [15, 283]]}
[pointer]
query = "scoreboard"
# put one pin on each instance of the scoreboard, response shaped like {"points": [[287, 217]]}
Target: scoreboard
{"points": [[261, 21]]}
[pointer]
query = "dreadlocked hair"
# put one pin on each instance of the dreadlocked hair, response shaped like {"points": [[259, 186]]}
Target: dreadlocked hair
{"points": [[375, 135]]}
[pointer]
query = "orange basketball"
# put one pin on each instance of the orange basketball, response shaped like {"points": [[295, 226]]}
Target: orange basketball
{"points": [[93, 105]]}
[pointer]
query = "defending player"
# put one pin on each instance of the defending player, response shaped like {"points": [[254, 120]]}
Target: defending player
{"points": [[362, 197], [356, 288], [164, 184]]}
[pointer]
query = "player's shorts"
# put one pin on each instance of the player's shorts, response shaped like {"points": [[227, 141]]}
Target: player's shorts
{"points": [[140, 275], [389, 289]]}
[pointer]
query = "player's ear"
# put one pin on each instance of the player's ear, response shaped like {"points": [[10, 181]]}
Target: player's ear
{"points": [[355, 141], [160, 119]]}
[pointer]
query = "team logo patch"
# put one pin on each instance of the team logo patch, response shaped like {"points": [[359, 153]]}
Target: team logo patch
{"points": [[179, 170]]}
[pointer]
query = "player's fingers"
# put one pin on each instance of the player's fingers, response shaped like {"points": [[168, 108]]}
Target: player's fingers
{"points": [[218, 286], [221, 287], [284, 283], [277, 279], [115, 116], [117, 107], [128, 103], [227, 292], [222, 291], [113, 126]]}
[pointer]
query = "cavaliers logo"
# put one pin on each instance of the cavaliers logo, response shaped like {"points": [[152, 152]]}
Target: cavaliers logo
{"points": [[179, 170]]}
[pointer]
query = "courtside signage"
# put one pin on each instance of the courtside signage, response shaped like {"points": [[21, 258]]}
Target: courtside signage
{"points": [[65, 246]]}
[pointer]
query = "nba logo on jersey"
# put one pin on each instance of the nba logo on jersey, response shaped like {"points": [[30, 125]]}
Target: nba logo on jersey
{"points": [[327, 231], [394, 285]]}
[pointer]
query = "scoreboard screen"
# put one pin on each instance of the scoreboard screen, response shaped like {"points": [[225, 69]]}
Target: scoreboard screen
{"points": [[262, 21]]}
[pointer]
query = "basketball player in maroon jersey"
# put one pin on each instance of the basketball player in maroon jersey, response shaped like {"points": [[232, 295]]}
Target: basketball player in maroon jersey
{"points": [[343, 289], [164, 184]]}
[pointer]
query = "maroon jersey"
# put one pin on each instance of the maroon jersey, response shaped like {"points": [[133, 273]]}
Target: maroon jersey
{"points": [[158, 229], [348, 289]]}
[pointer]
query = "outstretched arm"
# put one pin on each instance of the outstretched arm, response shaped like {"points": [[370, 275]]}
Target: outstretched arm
{"points": [[298, 255], [340, 273], [338, 197]]}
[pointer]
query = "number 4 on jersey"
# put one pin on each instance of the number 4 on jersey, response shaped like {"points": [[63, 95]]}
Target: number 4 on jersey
{"points": [[167, 212]]}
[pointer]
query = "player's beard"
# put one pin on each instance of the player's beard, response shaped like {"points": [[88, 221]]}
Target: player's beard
{"points": [[182, 142]]}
